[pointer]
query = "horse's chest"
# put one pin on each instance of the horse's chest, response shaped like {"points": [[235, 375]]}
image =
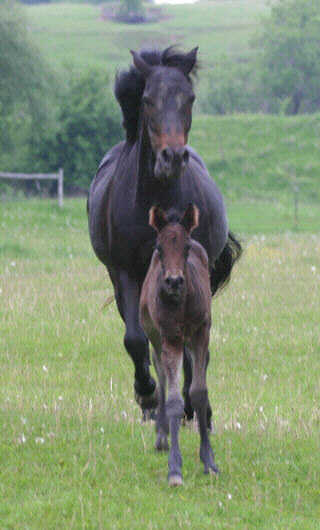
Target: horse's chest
{"points": [[133, 245]]}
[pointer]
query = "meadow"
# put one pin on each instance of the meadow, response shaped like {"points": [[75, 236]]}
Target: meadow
{"points": [[73, 451], [76, 34]]}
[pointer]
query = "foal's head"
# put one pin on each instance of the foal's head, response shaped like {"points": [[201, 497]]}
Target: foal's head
{"points": [[173, 244], [167, 109]]}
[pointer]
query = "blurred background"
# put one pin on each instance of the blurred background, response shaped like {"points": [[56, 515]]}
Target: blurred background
{"points": [[256, 118]]}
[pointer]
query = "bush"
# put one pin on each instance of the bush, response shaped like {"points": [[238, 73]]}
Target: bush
{"points": [[88, 124], [231, 88]]}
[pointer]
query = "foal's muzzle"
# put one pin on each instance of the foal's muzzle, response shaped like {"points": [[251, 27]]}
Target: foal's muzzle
{"points": [[171, 162], [174, 283]]}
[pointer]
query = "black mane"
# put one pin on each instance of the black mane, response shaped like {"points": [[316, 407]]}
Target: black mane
{"points": [[129, 85]]}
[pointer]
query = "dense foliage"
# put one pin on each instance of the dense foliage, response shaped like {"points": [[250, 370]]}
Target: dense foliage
{"points": [[88, 123], [289, 48], [283, 74], [25, 80], [46, 123]]}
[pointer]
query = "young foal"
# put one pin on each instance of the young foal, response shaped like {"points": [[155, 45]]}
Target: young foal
{"points": [[175, 310]]}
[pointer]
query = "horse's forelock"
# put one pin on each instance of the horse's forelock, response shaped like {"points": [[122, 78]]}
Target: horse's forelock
{"points": [[129, 84]]}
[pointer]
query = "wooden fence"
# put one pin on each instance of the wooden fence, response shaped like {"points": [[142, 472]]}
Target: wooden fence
{"points": [[39, 176]]}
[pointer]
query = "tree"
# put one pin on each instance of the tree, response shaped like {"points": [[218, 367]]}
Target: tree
{"points": [[88, 124], [131, 11], [23, 72], [289, 50], [26, 89]]}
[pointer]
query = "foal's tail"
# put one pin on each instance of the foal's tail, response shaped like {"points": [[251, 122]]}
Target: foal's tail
{"points": [[221, 272]]}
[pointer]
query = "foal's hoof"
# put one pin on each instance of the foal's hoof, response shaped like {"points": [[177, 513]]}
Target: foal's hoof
{"points": [[175, 480], [211, 468]]}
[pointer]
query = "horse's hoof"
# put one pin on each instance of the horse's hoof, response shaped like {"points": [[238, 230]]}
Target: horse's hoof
{"points": [[148, 415], [175, 480], [147, 401]]}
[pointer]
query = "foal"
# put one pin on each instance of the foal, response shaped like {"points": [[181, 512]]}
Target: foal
{"points": [[175, 309]]}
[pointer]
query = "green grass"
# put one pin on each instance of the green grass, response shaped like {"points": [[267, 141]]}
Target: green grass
{"points": [[258, 156], [77, 34], [73, 452]]}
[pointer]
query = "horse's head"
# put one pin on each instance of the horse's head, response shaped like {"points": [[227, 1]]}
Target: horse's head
{"points": [[173, 244], [167, 110]]}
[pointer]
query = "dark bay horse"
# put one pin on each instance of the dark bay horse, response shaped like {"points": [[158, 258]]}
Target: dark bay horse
{"points": [[154, 165], [175, 309]]}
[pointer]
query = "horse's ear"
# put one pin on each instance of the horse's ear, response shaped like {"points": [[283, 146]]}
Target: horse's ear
{"points": [[157, 218], [141, 65], [190, 218], [190, 60]]}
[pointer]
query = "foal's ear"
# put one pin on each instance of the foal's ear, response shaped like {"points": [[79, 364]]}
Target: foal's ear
{"points": [[141, 65], [157, 218], [190, 218]]}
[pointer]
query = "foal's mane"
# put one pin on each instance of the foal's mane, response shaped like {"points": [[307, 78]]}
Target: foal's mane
{"points": [[129, 85]]}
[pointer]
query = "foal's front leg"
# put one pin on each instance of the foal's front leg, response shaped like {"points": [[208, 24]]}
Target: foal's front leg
{"points": [[199, 396], [172, 361], [162, 424]]}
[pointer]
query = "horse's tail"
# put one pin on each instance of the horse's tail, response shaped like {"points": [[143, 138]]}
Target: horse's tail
{"points": [[221, 272]]}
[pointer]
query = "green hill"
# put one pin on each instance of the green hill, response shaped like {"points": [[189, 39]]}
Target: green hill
{"points": [[261, 156], [77, 34]]}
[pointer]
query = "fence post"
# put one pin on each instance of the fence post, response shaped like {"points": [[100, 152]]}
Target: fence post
{"points": [[60, 187]]}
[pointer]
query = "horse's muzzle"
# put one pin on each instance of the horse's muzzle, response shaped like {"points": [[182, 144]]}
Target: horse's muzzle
{"points": [[171, 163]]}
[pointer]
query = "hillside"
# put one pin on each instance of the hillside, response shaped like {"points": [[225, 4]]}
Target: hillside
{"points": [[77, 34], [260, 155]]}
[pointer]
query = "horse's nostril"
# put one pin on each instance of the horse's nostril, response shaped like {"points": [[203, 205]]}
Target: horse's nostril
{"points": [[166, 154], [185, 156]]}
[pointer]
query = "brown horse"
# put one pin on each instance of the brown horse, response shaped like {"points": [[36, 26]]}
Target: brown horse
{"points": [[175, 310]]}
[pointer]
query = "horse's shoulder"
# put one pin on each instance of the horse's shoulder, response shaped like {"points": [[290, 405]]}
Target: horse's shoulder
{"points": [[111, 155], [196, 158]]}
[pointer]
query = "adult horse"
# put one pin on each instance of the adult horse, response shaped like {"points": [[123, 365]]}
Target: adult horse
{"points": [[154, 165]]}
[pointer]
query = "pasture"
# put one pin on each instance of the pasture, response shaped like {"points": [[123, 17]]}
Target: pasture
{"points": [[73, 451], [76, 34]]}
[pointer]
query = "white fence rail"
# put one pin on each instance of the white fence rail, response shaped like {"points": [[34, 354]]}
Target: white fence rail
{"points": [[39, 176]]}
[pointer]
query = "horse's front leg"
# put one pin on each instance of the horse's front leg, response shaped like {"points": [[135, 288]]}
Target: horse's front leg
{"points": [[135, 341]]}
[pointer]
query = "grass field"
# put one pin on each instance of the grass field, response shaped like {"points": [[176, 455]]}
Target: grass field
{"points": [[260, 156], [76, 34], [73, 452]]}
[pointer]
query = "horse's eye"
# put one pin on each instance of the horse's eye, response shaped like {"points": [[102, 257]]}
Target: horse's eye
{"points": [[158, 248], [152, 126]]}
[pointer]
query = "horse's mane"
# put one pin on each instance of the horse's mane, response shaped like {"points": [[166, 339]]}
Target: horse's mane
{"points": [[129, 85]]}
